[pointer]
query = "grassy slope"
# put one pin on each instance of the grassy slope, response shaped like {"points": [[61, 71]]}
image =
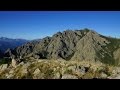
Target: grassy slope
{"points": [[110, 48]]}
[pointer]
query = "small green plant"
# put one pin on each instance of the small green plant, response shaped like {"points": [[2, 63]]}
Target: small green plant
{"points": [[68, 71], [48, 74]]}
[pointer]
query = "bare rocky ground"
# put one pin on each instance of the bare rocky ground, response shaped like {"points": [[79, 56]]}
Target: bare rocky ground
{"points": [[58, 69]]}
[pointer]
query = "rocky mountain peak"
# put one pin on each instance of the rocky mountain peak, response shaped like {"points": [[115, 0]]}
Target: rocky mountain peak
{"points": [[70, 45]]}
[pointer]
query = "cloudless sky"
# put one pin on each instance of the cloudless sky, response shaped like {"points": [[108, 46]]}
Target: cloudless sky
{"points": [[38, 24]]}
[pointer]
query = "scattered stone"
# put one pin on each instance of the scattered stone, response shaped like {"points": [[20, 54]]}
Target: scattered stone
{"points": [[118, 77], [11, 71], [82, 69], [103, 75], [39, 76], [57, 76], [73, 68], [114, 77], [68, 76], [20, 64], [54, 69], [37, 71], [9, 76], [36, 56], [3, 67], [24, 71], [26, 65]]}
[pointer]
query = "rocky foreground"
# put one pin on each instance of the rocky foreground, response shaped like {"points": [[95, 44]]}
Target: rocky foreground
{"points": [[58, 69]]}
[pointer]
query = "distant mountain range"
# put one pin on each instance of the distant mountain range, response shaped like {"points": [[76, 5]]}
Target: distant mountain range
{"points": [[72, 45], [6, 43]]}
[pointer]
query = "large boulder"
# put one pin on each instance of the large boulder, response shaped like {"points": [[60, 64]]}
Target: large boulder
{"points": [[3, 67]]}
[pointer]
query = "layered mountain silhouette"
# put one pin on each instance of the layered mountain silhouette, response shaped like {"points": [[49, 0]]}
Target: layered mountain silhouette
{"points": [[6, 43], [72, 45]]}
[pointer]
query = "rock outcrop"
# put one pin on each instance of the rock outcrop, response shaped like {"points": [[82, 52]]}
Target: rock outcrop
{"points": [[14, 63]]}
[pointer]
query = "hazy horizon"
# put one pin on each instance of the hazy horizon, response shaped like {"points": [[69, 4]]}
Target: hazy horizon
{"points": [[39, 24]]}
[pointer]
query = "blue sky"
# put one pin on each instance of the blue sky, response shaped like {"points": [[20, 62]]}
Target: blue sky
{"points": [[38, 24]]}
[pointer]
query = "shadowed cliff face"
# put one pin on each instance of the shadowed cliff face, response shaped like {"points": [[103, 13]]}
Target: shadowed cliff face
{"points": [[73, 45]]}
